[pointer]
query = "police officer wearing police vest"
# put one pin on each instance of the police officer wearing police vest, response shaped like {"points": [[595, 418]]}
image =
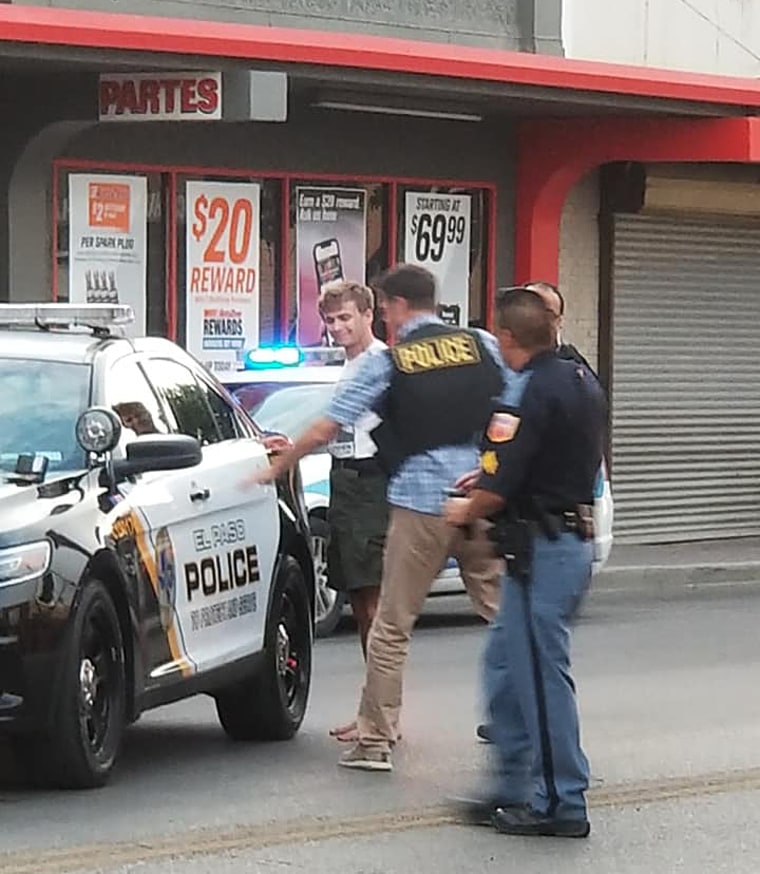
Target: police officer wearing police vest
{"points": [[539, 460], [434, 391]]}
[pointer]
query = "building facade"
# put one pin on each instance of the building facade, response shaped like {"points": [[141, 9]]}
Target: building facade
{"points": [[701, 36], [216, 166], [672, 261]]}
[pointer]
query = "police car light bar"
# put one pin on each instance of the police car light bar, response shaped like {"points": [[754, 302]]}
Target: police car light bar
{"points": [[324, 354], [43, 315], [269, 357], [272, 356]]}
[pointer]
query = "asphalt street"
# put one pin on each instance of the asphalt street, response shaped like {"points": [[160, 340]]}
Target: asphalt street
{"points": [[671, 723]]}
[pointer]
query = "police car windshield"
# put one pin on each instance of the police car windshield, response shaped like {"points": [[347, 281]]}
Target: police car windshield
{"points": [[288, 409], [40, 402]]}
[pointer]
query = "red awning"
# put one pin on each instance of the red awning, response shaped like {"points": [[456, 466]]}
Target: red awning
{"points": [[553, 156], [102, 30]]}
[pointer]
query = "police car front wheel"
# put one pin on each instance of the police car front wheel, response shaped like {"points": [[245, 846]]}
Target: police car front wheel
{"points": [[89, 714], [271, 705]]}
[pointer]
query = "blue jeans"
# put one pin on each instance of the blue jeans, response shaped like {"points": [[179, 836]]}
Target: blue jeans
{"points": [[530, 694]]}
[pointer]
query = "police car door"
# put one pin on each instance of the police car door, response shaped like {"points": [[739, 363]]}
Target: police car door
{"points": [[225, 552], [155, 512]]}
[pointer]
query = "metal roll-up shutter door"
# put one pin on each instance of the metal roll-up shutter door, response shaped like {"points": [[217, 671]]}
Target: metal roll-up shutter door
{"points": [[685, 379]]}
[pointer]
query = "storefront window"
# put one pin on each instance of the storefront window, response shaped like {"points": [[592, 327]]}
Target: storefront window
{"points": [[216, 262], [337, 231], [445, 230], [117, 252], [222, 240]]}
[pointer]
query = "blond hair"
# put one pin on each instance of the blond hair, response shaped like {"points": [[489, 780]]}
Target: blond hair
{"points": [[336, 294]]}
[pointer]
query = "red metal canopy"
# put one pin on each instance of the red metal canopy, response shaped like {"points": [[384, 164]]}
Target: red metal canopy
{"points": [[553, 156], [104, 30]]}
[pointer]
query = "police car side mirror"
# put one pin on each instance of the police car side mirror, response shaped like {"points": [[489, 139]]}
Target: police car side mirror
{"points": [[156, 452]]}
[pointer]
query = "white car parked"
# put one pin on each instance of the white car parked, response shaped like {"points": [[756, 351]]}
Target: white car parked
{"points": [[284, 391]]}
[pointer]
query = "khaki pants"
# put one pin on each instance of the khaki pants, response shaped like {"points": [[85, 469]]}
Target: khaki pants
{"points": [[416, 550]]}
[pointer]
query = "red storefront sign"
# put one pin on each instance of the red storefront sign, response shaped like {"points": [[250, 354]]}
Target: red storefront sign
{"points": [[161, 97]]}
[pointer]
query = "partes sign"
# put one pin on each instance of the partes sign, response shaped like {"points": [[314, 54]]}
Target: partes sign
{"points": [[161, 97]]}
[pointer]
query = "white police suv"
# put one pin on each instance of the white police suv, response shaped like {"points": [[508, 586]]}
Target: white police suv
{"points": [[136, 567], [285, 389]]}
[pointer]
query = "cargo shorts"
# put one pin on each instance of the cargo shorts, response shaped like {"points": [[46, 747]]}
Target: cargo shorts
{"points": [[358, 520]]}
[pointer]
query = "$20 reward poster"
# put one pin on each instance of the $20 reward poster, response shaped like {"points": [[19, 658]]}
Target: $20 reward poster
{"points": [[437, 237], [223, 236]]}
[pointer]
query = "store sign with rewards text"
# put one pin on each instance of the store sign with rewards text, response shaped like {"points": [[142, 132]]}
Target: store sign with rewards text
{"points": [[437, 237], [223, 226]]}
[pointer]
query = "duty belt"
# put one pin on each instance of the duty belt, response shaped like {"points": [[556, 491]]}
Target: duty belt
{"points": [[578, 520]]}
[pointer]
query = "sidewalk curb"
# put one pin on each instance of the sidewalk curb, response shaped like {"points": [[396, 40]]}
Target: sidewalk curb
{"points": [[668, 579]]}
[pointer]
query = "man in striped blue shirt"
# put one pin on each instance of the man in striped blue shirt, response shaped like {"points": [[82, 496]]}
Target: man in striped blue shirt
{"points": [[434, 392]]}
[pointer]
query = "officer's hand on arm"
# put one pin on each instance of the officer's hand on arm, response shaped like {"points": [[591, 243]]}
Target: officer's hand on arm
{"points": [[318, 434], [468, 481], [507, 447]]}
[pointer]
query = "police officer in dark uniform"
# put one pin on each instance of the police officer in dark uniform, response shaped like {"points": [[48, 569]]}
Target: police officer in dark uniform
{"points": [[539, 461], [555, 304]]}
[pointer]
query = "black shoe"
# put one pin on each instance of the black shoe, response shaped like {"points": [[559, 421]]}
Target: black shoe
{"points": [[483, 733], [522, 821], [479, 811]]}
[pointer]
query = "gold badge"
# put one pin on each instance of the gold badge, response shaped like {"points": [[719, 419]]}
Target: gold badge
{"points": [[489, 463], [502, 427]]}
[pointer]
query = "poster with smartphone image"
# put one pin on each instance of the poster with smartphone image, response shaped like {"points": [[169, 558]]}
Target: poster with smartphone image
{"points": [[331, 241]]}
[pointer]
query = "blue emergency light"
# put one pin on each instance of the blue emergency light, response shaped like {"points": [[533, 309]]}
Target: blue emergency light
{"points": [[268, 357]]}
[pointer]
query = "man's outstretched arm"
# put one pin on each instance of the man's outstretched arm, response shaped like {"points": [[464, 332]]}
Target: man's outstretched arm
{"points": [[352, 400], [318, 434]]}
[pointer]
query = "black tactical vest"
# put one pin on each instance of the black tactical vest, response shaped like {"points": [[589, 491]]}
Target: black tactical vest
{"points": [[442, 389]]}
